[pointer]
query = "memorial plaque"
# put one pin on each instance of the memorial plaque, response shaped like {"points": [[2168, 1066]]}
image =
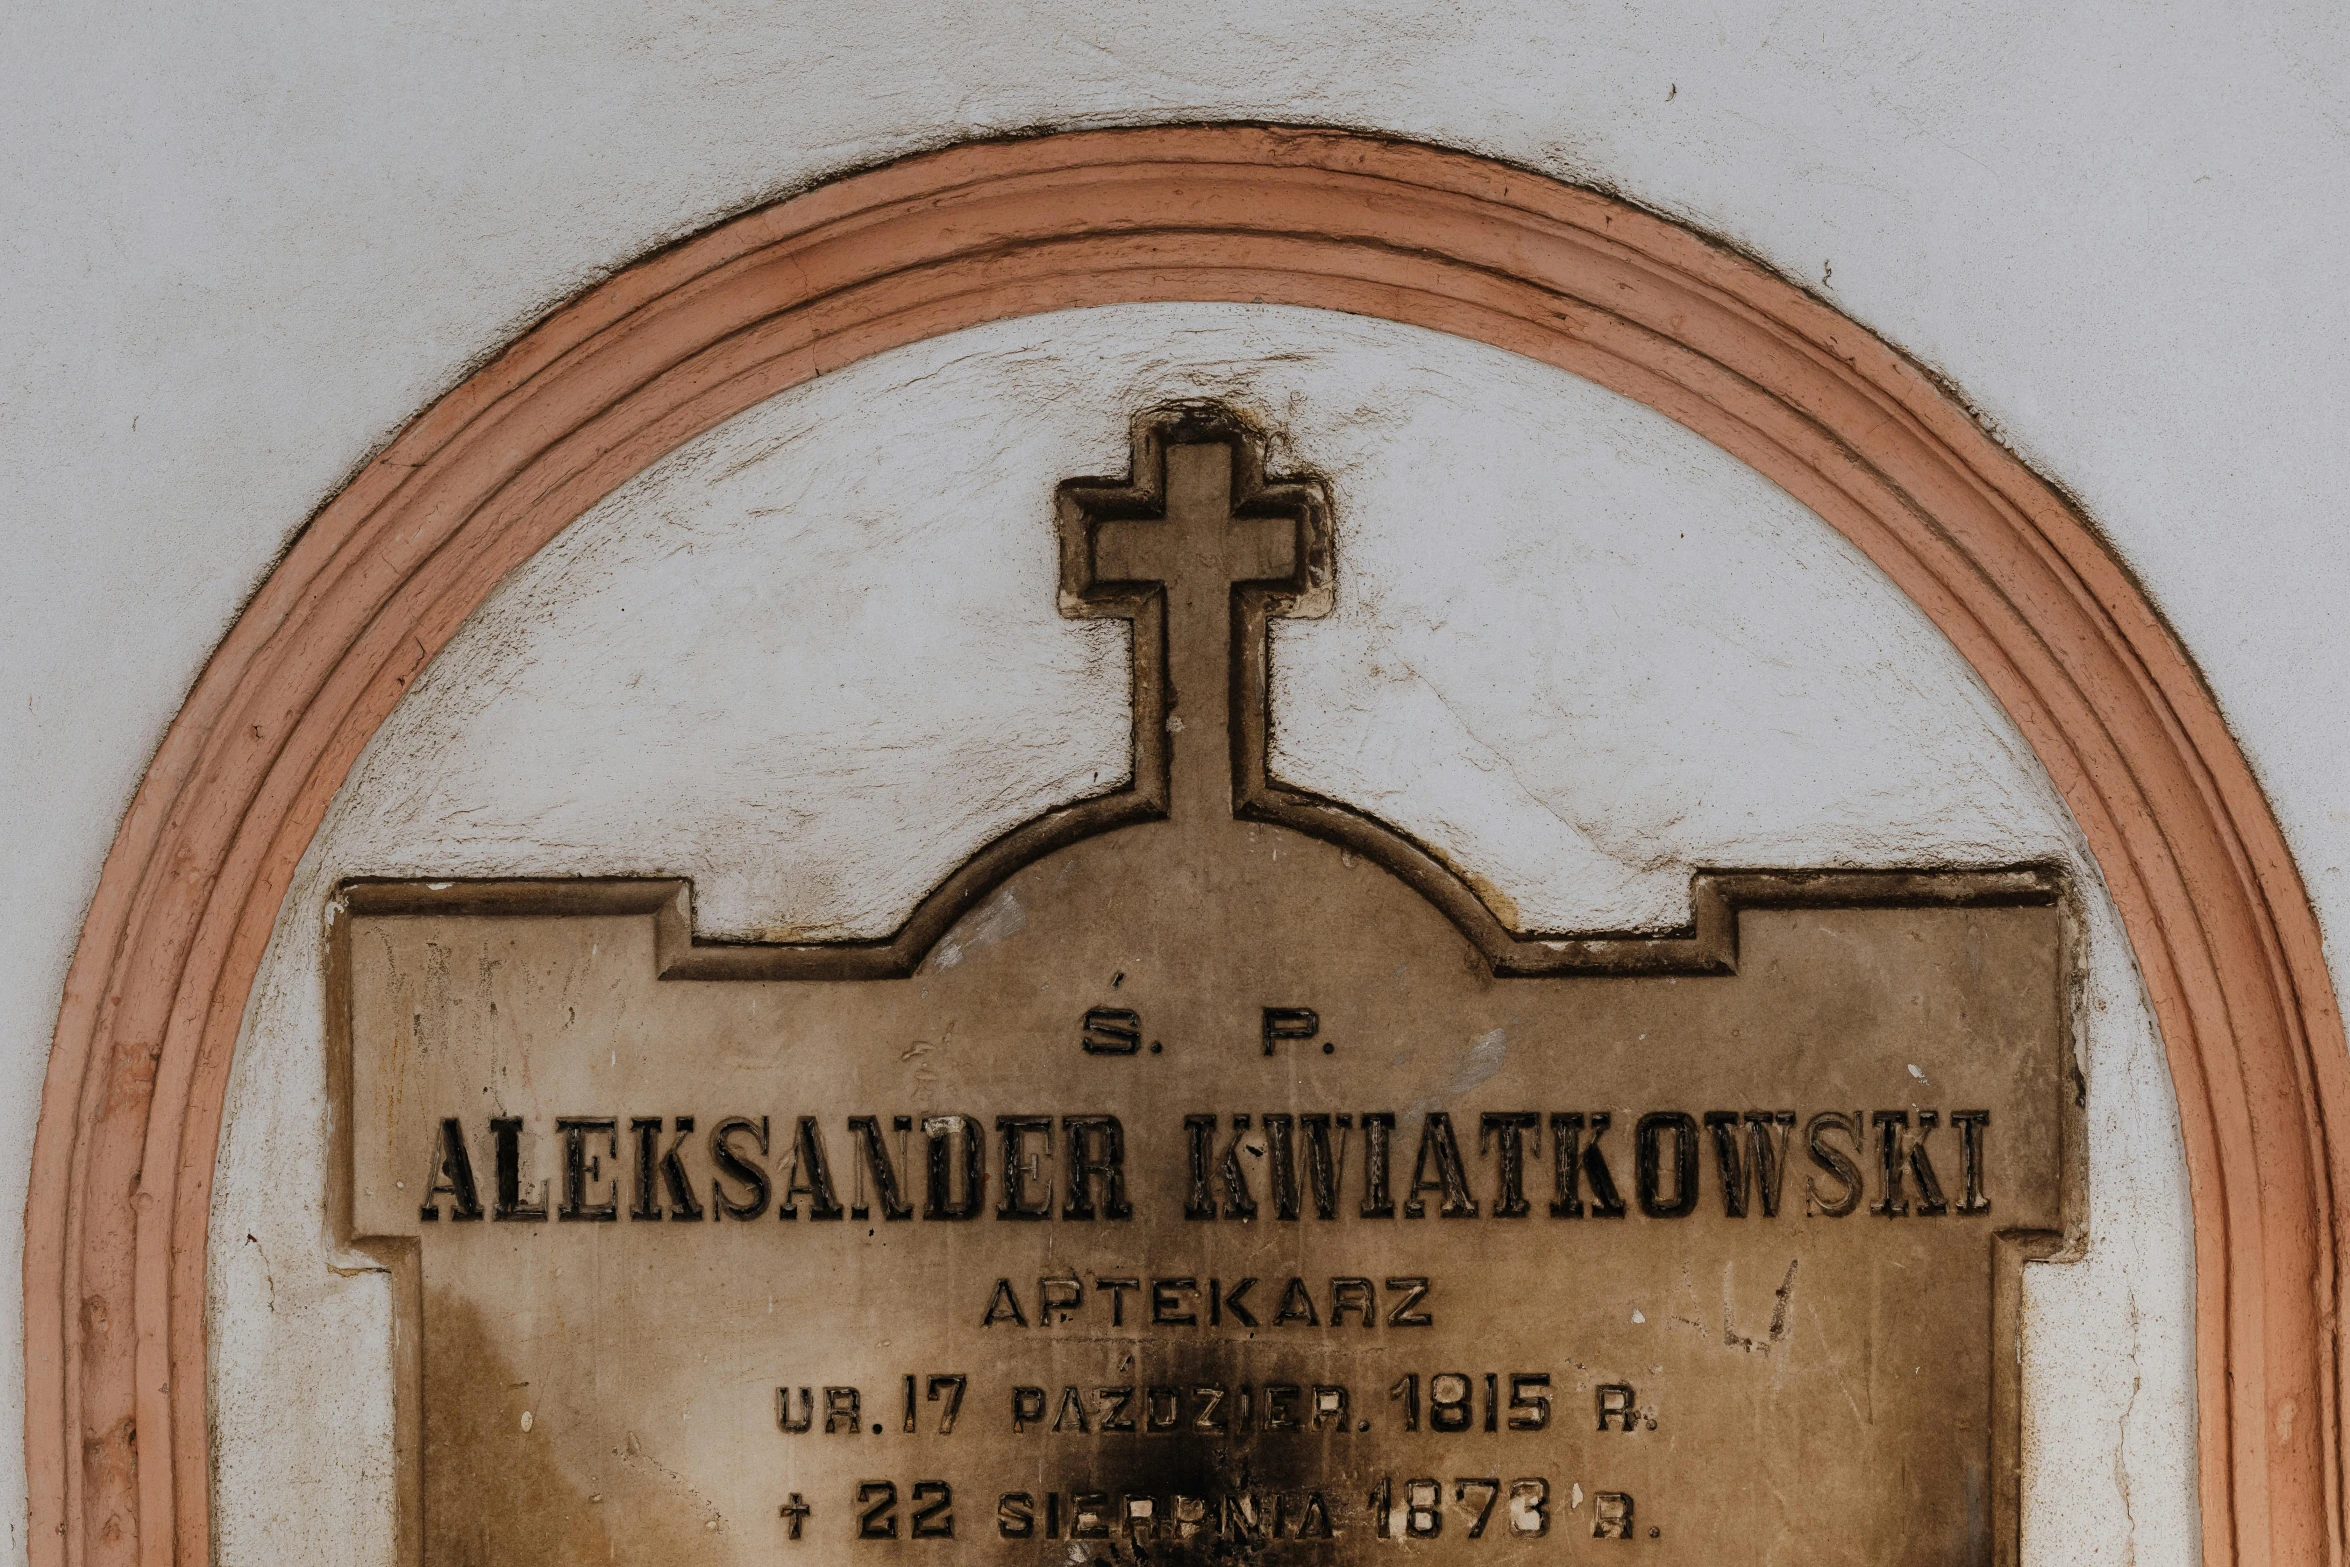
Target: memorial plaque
{"points": [[1205, 1173]]}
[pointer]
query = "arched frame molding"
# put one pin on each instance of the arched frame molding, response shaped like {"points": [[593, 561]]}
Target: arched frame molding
{"points": [[116, 1383]]}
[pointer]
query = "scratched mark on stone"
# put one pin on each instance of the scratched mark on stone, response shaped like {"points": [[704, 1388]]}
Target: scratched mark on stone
{"points": [[1002, 919]]}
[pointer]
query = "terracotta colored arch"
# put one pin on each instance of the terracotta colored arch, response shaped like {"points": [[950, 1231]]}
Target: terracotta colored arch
{"points": [[2222, 929]]}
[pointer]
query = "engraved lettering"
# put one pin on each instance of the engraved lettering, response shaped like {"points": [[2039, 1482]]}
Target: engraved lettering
{"points": [[1971, 1125], [1529, 1400], [1575, 1162], [1004, 1306], [1402, 1314], [1289, 1024], [1619, 1403], [1767, 1132], [1530, 1506], [1199, 1141], [953, 1142], [1239, 1203], [1491, 1487], [453, 1175], [1117, 1290], [1508, 1129], [1281, 1156], [645, 1196], [506, 1140], [1188, 876], [1448, 1402], [1922, 1171], [1110, 1031], [1423, 1508], [1758, 1168], [1297, 1305], [1648, 1157], [1028, 1186], [953, 1386], [732, 1165], [876, 1166], [582, 1169], [808, 1173], [1324, 1164], [1378, 1137], [1329, 1406], [1281, 1398], [1097, 1152], [1057, 1300], [878, 1518], [935, 1521], [1835, 1161], [1166, 1305], [1451, 1178], [679, 1185], [1891, 1128]]}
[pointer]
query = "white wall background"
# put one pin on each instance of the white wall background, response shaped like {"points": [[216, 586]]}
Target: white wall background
{"points": [[240, 245]]}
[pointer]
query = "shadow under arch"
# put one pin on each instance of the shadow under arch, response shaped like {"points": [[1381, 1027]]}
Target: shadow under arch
{"points": [[116, 1384]]}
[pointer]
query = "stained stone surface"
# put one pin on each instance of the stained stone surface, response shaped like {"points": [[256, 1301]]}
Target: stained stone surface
{"points": [[1138, 1173]]}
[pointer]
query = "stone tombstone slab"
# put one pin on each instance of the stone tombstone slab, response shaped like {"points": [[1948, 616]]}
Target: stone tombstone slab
{"points": [[1206, 1173]]}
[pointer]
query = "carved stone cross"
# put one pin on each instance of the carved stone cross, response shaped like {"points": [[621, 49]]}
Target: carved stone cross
{"points": [[1200, 554], [1199, 550]]}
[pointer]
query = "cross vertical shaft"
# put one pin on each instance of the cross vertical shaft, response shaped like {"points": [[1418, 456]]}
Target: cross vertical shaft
{"points": [[1198, 551]]}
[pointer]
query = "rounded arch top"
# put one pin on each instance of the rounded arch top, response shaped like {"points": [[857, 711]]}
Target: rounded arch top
{"points": [[2222, 930]]}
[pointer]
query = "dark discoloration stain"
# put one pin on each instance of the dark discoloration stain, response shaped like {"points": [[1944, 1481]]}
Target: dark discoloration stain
{"points": [[561, 1494], [1212, 1466], [497, 1497]]}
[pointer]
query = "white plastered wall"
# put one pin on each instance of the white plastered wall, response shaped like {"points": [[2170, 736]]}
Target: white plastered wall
{"points": [[812, 660], [241, 245]]}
